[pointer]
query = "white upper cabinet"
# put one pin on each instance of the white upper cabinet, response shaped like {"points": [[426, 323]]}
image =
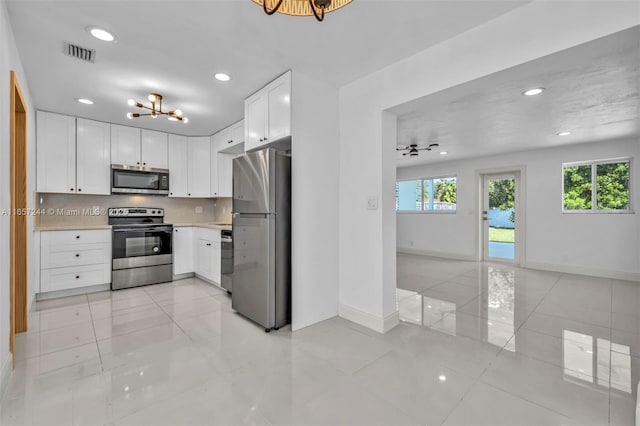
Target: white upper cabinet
{"points": [[154, 149], [267, 114], [255, 119], [199, 173], [93, 157], [237, 134], [279, 100], [178, 166], [134, 147], [216, 142], [125, 145], [225, 175], [56, 153]]}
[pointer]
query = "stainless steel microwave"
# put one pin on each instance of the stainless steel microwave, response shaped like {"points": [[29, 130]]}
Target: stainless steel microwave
{"points": [[139, 180]]}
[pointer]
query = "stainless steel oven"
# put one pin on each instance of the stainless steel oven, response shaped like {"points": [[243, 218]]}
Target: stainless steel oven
{"points": [[141, 247], [139, 180]]}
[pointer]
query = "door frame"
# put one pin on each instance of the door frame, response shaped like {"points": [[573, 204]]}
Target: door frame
{"points": [[520, 212], [18, 223]]}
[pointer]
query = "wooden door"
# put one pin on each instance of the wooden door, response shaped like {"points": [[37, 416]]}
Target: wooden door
{"points": [[18, 239]]}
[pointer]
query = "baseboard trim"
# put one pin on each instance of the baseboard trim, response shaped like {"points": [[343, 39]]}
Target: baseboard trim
{"points": [[183, 276], [444, 255], [365, 319], [390, 321], [72, 292], [5, 374], [577, 270]]}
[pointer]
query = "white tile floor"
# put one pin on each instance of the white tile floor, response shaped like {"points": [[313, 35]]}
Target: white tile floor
{"points": [[479, 344]]}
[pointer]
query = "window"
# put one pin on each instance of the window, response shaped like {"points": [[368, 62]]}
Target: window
{"points": [[596, 186], [426, 195]]}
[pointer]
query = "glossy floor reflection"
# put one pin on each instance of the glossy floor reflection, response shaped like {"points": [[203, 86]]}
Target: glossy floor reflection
{"points": [[479, 344], [559, 350]]}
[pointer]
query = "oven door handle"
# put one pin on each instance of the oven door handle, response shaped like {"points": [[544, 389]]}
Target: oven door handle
{"points": [[164, 229]]}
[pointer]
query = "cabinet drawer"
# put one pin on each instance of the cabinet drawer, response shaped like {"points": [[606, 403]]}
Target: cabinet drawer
{"points": [[74, 277], [49, 238], [208, 234], [63, 255]]}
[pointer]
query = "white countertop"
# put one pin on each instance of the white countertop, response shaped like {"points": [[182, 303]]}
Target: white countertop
{"points": [[74, 227], [78, 227], [210, 225]]}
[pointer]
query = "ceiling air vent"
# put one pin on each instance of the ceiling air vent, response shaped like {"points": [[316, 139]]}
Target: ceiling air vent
{"points": [[79, 52]]}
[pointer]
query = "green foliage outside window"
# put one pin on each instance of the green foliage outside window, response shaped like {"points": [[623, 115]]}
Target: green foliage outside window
{"points": [[446, 191], [611, 186]]}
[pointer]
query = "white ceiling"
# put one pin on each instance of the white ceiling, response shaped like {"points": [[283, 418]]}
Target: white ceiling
{"points": [[592, 90], [175, 47]]}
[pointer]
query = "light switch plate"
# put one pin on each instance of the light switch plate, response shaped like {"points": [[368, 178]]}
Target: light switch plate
{"points": [[198, 209], [372, 202]]}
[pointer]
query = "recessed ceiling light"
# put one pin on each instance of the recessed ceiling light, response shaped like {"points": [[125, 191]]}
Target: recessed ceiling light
{"points": [[222, 76], [533, 92], [564, 133], [442, 378], [85, 101], [101, 34], [443, 152]]}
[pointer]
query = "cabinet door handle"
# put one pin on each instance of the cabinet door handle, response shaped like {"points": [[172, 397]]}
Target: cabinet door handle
{"points": [[265, 138], [79, 189], [138, 163], [77, 277], [189, 194], [77, 237], [70, 189], [176, 230], [171, 193], [231, 141], [77, 254], [144, 164]]}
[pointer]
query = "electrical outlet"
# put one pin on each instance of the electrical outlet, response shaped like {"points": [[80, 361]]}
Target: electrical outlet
{"points": [[198, 209]]}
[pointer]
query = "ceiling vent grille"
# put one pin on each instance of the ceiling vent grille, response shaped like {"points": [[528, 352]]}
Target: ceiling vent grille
{"points": [[79, 52]]}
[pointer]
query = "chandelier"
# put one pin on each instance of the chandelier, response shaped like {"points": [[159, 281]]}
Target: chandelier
{"points": [[316, 8], [156, 109]]}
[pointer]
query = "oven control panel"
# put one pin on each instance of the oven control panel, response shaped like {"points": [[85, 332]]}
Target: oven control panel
{"points": [[135, 212]]}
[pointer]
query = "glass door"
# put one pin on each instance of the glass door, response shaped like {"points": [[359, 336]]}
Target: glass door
{"points": [[499, 217]]}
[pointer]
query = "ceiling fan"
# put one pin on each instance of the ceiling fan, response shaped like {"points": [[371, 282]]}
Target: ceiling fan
{"points": [[412, 150]]}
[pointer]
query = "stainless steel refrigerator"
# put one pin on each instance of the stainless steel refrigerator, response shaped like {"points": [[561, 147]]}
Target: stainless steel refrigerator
{"points": [[262, 237]]}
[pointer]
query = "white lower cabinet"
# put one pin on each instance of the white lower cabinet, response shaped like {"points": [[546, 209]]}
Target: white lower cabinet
{"points": [[208, 253], [183, 262], [74, 259]]}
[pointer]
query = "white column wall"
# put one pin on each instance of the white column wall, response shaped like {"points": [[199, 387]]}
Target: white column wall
{"points": [[537, 29], [315, 187]]}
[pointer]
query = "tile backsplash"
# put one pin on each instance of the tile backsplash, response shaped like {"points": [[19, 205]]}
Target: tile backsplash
{"points": [[66, 209]]}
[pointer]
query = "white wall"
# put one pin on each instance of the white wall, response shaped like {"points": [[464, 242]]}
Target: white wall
{"points": [[9, 60], [600, 244], [315, 191], [367, 289]]}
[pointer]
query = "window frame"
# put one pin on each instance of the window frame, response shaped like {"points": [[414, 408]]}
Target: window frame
{"points": [[422, 211], [594, 186]]}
